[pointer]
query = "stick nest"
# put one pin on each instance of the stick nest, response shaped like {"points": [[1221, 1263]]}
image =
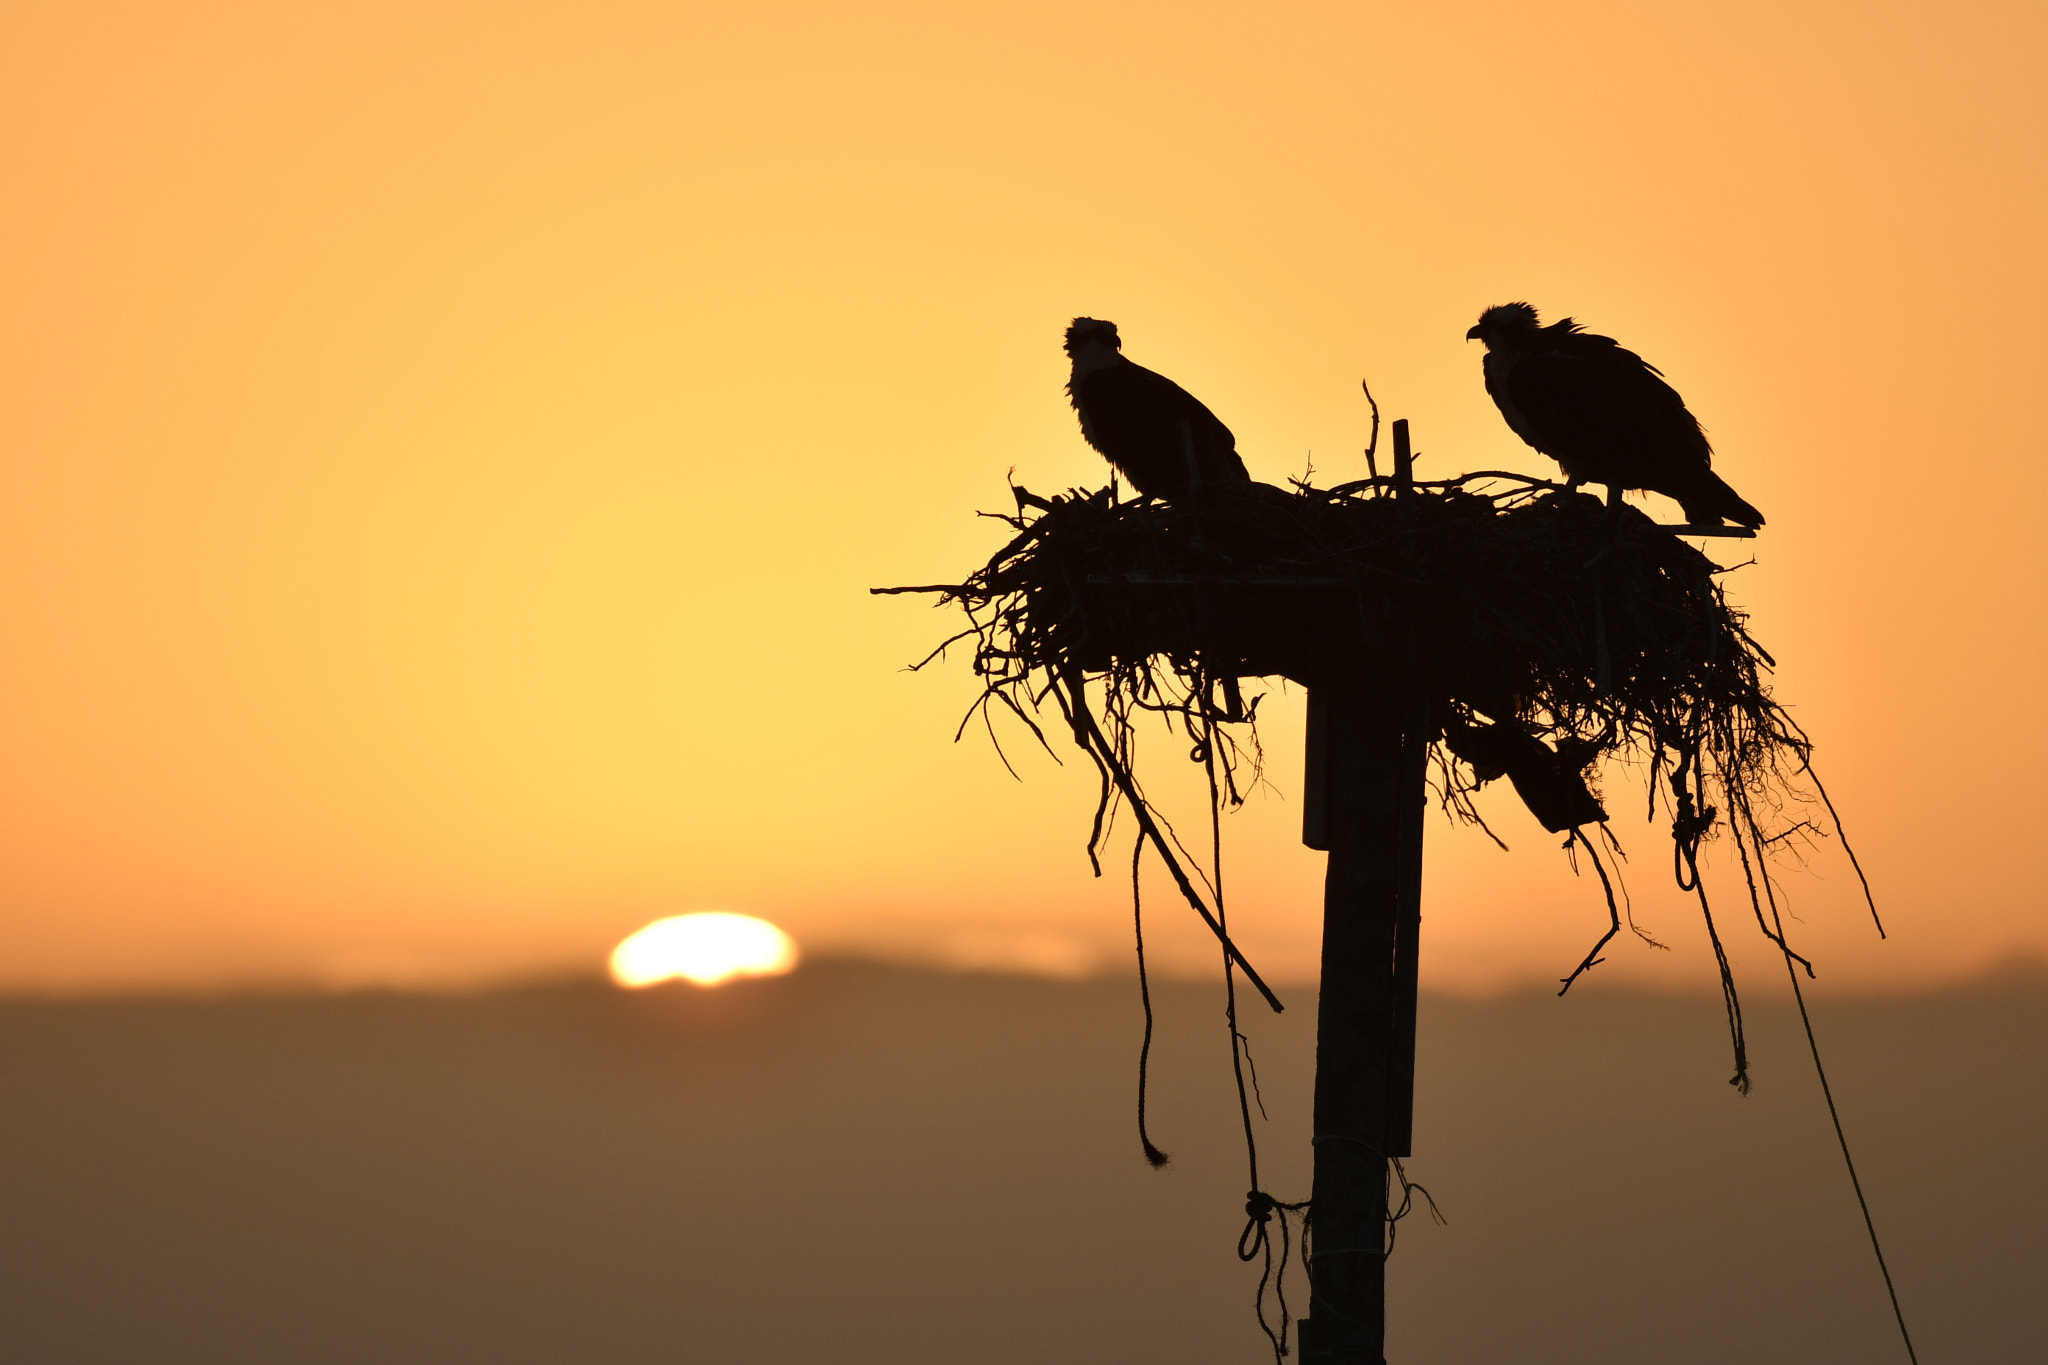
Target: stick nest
{"points": [[1533, 615]]}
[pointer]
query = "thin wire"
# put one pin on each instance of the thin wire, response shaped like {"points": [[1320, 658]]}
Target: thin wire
{"points": [[1834, 1117], [1854, 861]]}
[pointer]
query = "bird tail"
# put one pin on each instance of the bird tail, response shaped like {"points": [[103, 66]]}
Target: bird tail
{"points": [[1713, 501]]}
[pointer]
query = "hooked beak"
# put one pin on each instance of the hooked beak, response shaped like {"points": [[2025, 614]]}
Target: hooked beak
{"points": [[1472, 335]]}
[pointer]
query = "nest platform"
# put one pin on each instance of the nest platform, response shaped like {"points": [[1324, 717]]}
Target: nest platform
{"points": [[1519, 627], [1510, 600]]}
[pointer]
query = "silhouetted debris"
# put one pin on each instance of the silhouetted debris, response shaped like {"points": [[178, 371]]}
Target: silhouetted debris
{"points": [[1551, 782]]}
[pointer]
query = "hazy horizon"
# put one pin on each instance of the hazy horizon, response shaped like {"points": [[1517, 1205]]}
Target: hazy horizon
{"points": [[864, 1163], [2017, 971]]}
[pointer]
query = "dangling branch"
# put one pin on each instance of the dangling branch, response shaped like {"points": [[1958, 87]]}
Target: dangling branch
{"points": [[1593, 959], [1074, 701]]}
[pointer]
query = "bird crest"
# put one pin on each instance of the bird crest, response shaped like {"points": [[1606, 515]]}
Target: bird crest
{"points": [[1505, 315], [1089, 331], [1513, 324]]}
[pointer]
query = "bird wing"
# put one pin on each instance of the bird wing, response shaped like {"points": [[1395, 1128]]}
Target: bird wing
{"points": [[1605, 414], [1133, 416]]}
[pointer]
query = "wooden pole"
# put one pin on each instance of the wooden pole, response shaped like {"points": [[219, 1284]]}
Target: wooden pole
{"points": [[1370, 721], [1365, 1016]]}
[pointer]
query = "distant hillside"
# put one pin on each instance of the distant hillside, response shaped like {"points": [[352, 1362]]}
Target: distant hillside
{"points": [[869, 1164]]}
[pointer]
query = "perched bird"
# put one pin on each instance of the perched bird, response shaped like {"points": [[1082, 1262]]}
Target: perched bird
{"points": [[1153, 430], [1602, 412]]}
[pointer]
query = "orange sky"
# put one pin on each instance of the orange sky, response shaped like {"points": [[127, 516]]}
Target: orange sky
{"points": [[446, 445]]}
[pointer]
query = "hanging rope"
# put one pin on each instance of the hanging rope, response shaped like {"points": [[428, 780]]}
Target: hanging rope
{"points": [[1690, 823], [1207, 750], [1258, 1204], [1261, 1208], [1152, 1153], [1256, 1242]]}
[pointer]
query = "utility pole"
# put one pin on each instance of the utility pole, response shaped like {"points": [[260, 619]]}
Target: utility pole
{"points": [[1368, 747]]}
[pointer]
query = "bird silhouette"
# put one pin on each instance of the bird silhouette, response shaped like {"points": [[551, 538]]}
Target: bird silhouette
{"points": [[1156, 433], [1602, 412]]}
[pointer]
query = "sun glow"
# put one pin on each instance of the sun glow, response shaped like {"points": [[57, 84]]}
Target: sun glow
{"points": [[706, 948]]}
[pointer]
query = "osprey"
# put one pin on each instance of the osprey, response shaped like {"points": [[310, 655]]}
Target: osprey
{"points": [[1153, 430], [1603, 413]]}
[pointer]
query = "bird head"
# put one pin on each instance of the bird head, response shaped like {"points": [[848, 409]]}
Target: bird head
{"points": [[1503, 324], [1087, 332]]}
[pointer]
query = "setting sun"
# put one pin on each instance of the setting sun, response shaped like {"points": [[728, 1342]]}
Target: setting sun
{"points": [[706, 948]]}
